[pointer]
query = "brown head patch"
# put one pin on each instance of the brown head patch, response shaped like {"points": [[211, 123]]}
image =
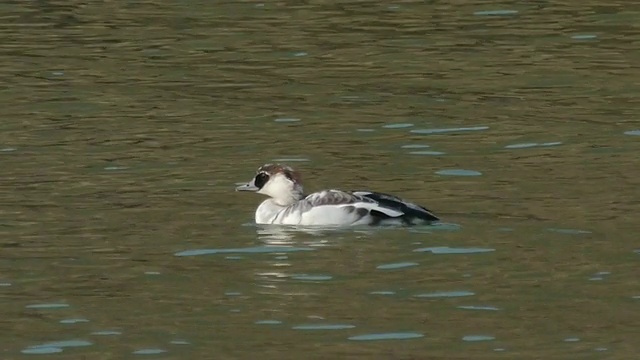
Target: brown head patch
{"points": [[273, 169]]}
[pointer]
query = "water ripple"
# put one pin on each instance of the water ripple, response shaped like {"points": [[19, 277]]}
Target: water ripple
{"points": [[106, 333], [179, 342], [415, 146], [569, 231], [150, 351], [286, 120], [248, 250], [530, 145], [495, 12], [458, 172], [268, 322], [397, 126], [48, 306], [443, 294], [448, 250], [448, 130], [55, 346], [382, 293], [584, 36], [286, 160], [41, 350], [73, 321], [393, 266], [427, 152], [387, 336], [478, 338], [571, 339], [323, 327], [312, 277], [474, 307]]}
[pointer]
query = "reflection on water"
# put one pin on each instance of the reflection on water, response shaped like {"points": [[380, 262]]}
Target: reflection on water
{"points": [[149, 351], [394, 266], [571, 339], [449, 130], [583, 36], [530, 145], [458, 172], [386, 336], [495, 12], [55, 346], [445, 294], [106, 333], [73, 321], [448, 250], [474, 307], [125, 125], [47, 306], [249, 250], [268, 322], [323, 327], [478, 338]]}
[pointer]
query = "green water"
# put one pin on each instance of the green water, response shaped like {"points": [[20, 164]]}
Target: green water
{"points": [[125, 126]]}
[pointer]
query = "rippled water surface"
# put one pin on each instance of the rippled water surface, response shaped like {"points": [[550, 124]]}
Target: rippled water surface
{"points": [[125, 126]]}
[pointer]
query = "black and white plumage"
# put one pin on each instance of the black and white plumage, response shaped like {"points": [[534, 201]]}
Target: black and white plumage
{"points": [[288, 205]]}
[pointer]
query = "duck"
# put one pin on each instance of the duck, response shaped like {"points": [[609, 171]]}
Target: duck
{"points": [[289, 205]]}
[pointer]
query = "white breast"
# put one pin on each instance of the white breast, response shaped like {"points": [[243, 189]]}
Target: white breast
{"points": [[268, 211], [337, 215], [333, 215]]}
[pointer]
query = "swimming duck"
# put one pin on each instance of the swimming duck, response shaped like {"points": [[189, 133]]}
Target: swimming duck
{"points": [[288, 205]]}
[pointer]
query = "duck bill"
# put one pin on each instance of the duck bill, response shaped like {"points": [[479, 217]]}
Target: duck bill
{"points": [[247, 187]]}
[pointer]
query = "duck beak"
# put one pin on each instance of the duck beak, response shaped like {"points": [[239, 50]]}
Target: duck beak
{"points": [[247, 187]]}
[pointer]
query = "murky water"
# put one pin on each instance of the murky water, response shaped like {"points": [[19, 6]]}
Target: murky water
{"points": [[125, 126]]}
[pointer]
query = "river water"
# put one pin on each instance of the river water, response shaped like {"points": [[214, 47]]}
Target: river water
{"points": [[126, 125]]}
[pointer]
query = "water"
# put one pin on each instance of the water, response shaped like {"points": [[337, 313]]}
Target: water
{"points": [[125, 127]]}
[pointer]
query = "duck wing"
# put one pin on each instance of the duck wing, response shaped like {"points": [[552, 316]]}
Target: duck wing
{"points": [[409, 210], [348, 200], [360, 207], [336, 207]]}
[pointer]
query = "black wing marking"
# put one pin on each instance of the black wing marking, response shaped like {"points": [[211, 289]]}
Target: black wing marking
{"points": [[410, 210]]}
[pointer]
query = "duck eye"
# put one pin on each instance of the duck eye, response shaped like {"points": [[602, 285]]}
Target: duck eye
{"points": [[260, 180]]}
